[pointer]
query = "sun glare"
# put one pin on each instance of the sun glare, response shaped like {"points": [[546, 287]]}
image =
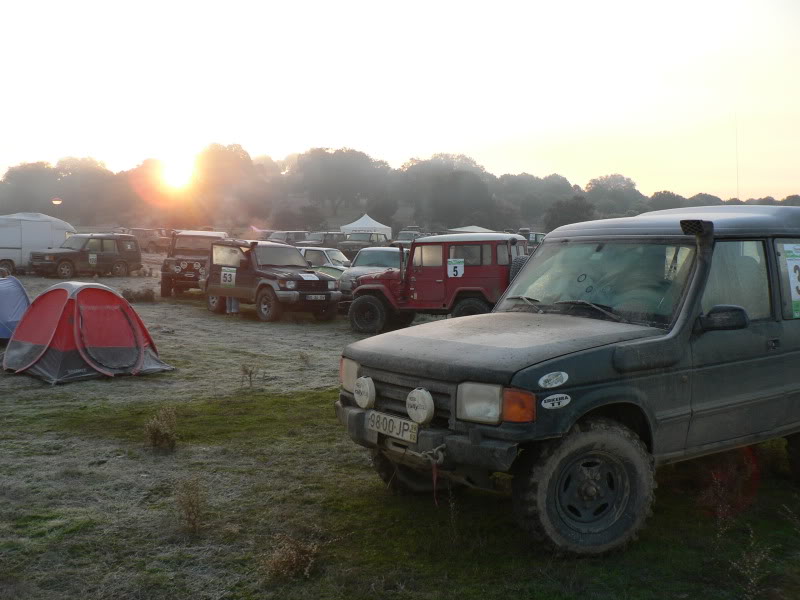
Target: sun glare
{"points": [[177, 173]]}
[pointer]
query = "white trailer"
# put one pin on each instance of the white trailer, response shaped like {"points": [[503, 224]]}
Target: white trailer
{"points": [[22, 233]]}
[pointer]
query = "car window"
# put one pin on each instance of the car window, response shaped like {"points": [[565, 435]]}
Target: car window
{"points": [[109, 245], [377, 258], [227, 256], [74, 242], [428, 256], [94, 245], [473, 254], [127, 245], [288, 256], [315, 257], [738, 276], [788, 252]]}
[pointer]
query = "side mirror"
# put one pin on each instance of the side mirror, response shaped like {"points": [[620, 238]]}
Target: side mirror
{"points": [[724, 317]]}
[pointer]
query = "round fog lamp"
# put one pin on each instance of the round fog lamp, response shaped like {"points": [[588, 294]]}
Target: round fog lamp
{"points": [[184, 264], [177, 268], [197, 265], [364, 392], [420, 406]]}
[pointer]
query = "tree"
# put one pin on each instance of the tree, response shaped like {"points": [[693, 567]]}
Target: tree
{"points": [[793, 200], [572, 210], [664, 200], [703, 199], [615, 195], [29, 187]]}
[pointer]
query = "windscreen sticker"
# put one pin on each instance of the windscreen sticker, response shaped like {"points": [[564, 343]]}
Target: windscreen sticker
{"points": [[455, 267], [93, 259], [309, 276], [792, 254], [227, 277]]}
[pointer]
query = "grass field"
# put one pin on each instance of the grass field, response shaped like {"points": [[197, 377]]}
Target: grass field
{"points": [[286, 506]]}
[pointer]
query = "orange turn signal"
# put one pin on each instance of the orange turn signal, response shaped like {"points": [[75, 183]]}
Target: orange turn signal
{"points": [[519, 406]]}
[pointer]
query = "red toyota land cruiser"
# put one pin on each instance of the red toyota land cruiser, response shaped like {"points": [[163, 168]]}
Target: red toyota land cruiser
{"points": [[458, 274]]}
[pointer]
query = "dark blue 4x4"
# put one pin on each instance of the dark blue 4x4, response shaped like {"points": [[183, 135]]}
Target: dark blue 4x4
{"points": [[116, 254], [622, 344]]}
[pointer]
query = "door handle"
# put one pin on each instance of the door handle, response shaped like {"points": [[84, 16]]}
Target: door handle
{"points": [[773, 344], [440, 281]]}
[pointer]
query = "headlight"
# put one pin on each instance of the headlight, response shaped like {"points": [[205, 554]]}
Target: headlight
{"points": [[49, 257], [177, 268], [290, 285], [331, 285], [348, 373], [479, 402], [202, 271]]}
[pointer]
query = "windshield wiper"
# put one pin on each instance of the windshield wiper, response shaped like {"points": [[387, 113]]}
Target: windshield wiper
{"points": [[606, 311], [532, 302]]}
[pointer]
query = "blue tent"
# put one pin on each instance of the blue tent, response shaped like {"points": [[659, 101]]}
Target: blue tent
{"points": [[14, 302]]}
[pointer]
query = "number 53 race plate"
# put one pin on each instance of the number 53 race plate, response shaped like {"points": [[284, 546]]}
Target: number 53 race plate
{"points": [[393, 426]]}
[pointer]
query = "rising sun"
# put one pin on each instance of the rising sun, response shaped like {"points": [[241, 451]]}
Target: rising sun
{"points": [[177, 173]]}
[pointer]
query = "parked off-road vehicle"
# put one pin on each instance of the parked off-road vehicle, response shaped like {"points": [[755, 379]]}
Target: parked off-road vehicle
{"points": [[459, 274], [152, 240], [623, 344], [116, 254], [273, 276], [358, 241], [406, 237], [326, 239], [187, 260], [288, 237]]}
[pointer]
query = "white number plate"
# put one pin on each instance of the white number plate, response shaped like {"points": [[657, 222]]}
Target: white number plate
{"points": [[390, 425], [316, 297]]}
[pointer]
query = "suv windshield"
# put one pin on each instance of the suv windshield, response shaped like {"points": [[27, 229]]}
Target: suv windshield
{"points": [[197, 243], [639, 282], [337, 258], [288, 256], [407, 235], [74, 242], [378, 258], [358, 237]]}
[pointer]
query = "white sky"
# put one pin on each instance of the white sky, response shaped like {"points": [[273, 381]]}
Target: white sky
{"points": [[650, 90]]}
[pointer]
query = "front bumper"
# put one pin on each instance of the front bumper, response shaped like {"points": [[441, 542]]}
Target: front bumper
{"points": [[460, 450], [44, 267], [299, 297]]}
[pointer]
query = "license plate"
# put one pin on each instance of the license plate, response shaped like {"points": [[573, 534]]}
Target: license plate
{"points": [[402, 429], [316, 297]]}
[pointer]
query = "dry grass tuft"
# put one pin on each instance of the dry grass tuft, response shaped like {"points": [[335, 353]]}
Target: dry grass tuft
{"points": [[160, 430], [143, 295], [248, 372], [291, 558], [190, 497], [750, 568]]}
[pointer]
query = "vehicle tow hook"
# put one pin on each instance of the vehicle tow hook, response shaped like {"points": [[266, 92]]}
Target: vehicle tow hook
{"points": [[435, 457]]}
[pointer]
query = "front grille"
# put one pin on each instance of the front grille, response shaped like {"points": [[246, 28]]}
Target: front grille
{"points": [[37, 256], [312, 285], [391, 390]]}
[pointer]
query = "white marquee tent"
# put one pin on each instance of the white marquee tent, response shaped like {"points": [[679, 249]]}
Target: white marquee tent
{"points": [[471, 229], [367, 224]]}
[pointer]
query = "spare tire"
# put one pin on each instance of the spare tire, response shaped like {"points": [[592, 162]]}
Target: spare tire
{"points": [[516, 267]]}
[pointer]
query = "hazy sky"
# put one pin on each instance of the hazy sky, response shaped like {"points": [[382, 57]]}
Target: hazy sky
{"points": [[654, 91]]}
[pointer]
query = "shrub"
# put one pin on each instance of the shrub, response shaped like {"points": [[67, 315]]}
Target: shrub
{"points": [[160, 430], [291, 558], [190, 497]]}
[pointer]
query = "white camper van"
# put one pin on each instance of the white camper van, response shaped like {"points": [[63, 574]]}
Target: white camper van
{"points": [[21, 233]]}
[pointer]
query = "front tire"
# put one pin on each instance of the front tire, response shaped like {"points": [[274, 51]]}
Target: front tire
{"points": [[516, 266], [470, 306], [367, 314], [268, 308], [166, 287], [216, 304], [65, 270], [119, 269], [587, 493]]}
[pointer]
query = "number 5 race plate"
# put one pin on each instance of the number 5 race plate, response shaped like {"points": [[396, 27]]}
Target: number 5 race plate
{"points": [[393, 426]]}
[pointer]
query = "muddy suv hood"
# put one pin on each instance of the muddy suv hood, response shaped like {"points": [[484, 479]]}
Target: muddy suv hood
{"points": [[489, 348]]}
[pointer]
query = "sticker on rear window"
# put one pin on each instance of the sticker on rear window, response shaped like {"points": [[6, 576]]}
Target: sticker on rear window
{"points": [[792, 253]]}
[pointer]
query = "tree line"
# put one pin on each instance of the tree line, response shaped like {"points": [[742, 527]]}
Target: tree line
{"points": [[308, 190]]}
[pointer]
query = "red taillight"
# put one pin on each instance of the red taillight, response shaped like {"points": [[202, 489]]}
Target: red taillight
{"points": [[519, 406]]}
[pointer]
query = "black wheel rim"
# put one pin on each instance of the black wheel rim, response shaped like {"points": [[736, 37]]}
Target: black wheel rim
{"points": [[593, 490], [367, 316]]}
